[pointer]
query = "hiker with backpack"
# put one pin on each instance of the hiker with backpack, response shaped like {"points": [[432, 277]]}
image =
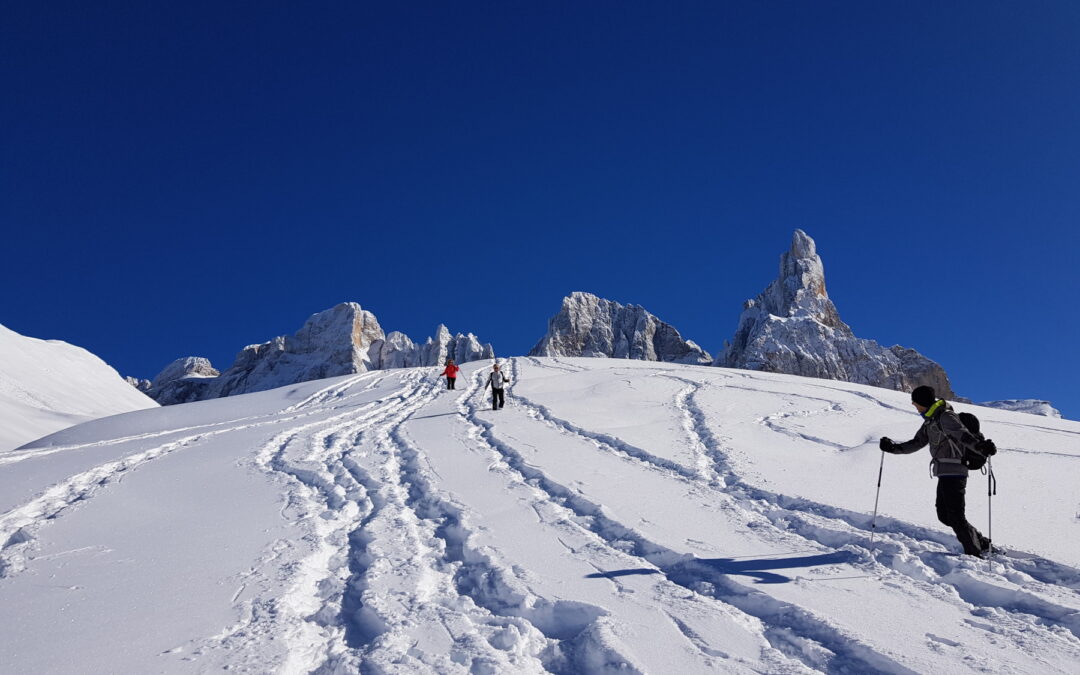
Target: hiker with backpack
{"points": [[953, 450], [450, 372], [497, 381]]}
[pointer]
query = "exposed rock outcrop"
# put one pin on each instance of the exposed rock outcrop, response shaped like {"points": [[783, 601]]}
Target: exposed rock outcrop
{"points": [[142, 384], [587, 325], [793, 327], [334, 342], [342, 340], [398, 351], [184, 380]]}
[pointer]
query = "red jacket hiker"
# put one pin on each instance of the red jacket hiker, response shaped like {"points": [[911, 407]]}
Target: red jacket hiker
{"points": [[451, 374]]}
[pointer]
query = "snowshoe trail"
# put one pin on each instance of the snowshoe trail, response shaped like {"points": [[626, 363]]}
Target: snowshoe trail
{"points": [[615, 516]]}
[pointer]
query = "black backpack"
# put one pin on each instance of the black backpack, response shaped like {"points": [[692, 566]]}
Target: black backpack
{"points": [[973, 459]]}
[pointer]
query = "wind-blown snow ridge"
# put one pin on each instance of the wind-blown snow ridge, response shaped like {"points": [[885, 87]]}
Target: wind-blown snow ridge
{"points": [[616, 516]]}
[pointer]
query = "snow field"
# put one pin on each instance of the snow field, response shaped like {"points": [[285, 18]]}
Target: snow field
{"points": [[616, 516]]}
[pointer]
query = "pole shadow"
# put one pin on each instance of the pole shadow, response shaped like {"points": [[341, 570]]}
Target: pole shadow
{"points": [[757, 569]]}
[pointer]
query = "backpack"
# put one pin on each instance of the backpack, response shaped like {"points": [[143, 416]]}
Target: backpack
{"points": [[973, 459]]}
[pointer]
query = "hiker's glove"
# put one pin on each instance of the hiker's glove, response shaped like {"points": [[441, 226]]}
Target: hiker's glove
{"points": [[986, 447], [887, 445]]}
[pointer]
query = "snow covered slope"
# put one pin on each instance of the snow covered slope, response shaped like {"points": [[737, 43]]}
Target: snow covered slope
{"points": [[617, 516], [46, 385]]}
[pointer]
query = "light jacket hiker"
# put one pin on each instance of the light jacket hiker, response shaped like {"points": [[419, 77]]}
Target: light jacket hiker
{"points": [[948, 438], [497, 381], [450, 372]]}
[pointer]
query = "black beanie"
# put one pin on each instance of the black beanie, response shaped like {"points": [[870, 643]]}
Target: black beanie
{"points": [[924, 396]]}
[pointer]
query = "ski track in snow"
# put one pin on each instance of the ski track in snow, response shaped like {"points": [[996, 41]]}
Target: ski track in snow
{"points": [[18, 527], [582, 517], [1026, 588], [792, 630], [387, 554], [357, 594], [909, 550]]}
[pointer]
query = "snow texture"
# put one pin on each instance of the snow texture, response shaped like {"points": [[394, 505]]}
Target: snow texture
{"points": [[793, 327], [590, 326], [46, 385], [686, 520], [1031, 406]]}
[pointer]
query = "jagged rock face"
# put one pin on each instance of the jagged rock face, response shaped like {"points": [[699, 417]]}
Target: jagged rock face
{"points": [[334, 342], [342, 340], [793, 327], [189, 366], [591, 326], [398, 351], [1031, 406], [184, 380], [141, 384]]}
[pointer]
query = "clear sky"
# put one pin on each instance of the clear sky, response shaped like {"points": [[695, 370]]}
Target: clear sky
{"points": [[189, 178]]}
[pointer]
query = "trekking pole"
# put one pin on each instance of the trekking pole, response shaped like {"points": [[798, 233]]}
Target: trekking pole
{"points": [[873, 523], [991, 490]]}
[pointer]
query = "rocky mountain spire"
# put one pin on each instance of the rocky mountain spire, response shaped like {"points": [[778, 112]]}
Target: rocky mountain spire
{"points": [[793, 327], [587, 325]]}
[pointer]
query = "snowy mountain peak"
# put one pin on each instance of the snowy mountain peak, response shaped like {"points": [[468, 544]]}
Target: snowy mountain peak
{"points": [[588, 325], [188, 366], [185, 379], [793, 327], [799, 290]]}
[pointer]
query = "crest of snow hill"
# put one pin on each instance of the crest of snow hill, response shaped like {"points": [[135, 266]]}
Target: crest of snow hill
{"points": [[792, 327], [342, 340]]}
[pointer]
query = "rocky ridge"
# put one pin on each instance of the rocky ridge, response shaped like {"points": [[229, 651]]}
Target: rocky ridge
{"points": [[587, 325], [342, 340]]}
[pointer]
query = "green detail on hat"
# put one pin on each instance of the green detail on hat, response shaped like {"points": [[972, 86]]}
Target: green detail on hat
{"points": [[933, 409]]}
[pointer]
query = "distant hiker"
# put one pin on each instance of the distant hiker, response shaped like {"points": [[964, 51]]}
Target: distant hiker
{"points": [[496, 380], [450, 372], [948, 439]]}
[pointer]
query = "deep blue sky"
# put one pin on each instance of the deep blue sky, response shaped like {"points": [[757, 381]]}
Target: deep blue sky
{"points": [[188, 178]]}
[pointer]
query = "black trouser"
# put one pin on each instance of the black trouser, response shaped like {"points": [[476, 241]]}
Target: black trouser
{"points": [[497, 398], [450, 382], [950, 510]]}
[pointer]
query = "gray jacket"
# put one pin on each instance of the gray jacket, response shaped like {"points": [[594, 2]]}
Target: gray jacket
{"points": [[496, 380], [947, 437]]}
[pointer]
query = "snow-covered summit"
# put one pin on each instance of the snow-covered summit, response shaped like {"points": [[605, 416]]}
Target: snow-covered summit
{"points": [[794, 327], [46, 385], [587, 325]]}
